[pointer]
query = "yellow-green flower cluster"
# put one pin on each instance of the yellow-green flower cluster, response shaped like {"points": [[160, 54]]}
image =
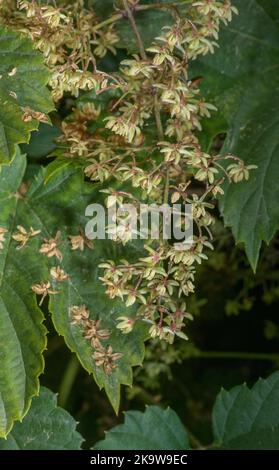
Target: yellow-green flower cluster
{"points": [[144, 135]]}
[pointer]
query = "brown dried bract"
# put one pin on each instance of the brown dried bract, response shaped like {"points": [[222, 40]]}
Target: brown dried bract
{"points": [[79, 242], [79, 314], [50, 247], [43, 289], [94, 334], [22, 235], [29, 114], [58, 274], [106, 358]]}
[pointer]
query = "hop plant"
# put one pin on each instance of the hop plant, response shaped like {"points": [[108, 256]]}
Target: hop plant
{"points": [[144, 138]]}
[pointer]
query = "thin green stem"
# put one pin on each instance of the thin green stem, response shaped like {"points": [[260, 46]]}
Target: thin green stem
{"points": [[151, 6], [160, 130], [68, 381], [237, 355], [135, 29], [107, 22]]}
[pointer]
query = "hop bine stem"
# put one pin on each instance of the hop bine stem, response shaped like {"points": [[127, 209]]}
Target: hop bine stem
{"points": [[135, 30]]}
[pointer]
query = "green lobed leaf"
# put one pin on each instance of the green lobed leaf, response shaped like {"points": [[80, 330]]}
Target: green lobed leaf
{"points": [[23, 80], [243, 419], [46, 427], [59, 206], [241, 79], [42, 142], [22, 335], [155, 429], [246, 418]]}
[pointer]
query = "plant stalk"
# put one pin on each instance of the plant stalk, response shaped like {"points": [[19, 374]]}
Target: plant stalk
{"points": [[237, 355], [135, 29], [68, 381]]}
